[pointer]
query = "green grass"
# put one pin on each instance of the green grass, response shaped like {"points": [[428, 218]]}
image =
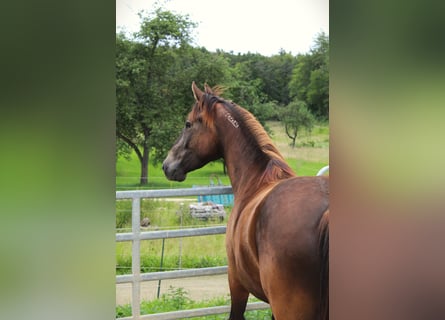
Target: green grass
{"points": [[128, 176], [177, 299], [311, 154], [183, 253], [190, 252]]}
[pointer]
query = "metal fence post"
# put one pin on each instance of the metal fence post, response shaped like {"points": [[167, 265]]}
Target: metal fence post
{"points": [[136, 258]]}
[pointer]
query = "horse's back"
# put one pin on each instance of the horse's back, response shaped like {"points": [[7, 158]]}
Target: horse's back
{"points": [[293, 207], [288, 229]]}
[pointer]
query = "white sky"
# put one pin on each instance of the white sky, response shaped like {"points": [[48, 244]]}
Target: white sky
{"points": [[258, 26]]}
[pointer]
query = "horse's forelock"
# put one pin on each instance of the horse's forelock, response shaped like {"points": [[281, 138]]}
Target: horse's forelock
{"points": [[204, 109]]}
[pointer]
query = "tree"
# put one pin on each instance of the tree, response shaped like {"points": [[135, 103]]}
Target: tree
{"points": [[277, 75], [191, 64], [296, 116], [310, 78], [269, 75], [142, 69], [154, 70]]}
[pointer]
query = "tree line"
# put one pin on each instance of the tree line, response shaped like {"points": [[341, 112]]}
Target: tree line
{"points": [[156, 65]]}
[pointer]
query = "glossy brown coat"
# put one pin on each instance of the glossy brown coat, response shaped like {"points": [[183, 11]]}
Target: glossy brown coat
{"points": [[277, 234]]}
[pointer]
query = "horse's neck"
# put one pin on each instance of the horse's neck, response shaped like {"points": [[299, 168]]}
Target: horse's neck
{"points": [[245, 174], [251, 165], [243, 166]]}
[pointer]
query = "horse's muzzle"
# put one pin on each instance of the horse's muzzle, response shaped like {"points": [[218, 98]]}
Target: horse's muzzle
{"points": [[172, 171]]}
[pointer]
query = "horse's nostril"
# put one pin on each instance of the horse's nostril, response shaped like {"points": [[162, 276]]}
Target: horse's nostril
{"points": [[165, 167]]}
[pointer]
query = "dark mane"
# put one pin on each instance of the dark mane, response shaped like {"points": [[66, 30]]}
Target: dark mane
{"points": [[265, 151]]}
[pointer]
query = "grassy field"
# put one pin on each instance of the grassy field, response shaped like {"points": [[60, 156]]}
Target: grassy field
{"points": [[128, 172], [311, 154]]}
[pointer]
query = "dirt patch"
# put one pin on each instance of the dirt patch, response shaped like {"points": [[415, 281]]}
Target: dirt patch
{"points": [[199, 288]]}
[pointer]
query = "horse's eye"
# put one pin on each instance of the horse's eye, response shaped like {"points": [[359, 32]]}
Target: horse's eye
{"points": [[188, 124]]}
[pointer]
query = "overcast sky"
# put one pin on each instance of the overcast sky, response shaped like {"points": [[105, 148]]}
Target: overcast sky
{"points": [[242, 25]]}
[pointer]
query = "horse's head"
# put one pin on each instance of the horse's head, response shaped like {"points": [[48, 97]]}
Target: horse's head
{"points": [[198, 143]]}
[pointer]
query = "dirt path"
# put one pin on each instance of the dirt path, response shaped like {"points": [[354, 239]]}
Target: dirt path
{"points": [[199, 288]]}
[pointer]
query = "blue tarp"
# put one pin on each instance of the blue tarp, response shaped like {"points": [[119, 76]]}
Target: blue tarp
{"points": [[224, 199]]}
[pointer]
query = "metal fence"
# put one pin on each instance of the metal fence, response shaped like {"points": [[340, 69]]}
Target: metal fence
{"points": [[136, 236]]}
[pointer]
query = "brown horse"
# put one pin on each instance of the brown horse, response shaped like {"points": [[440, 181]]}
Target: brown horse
{"points": [[277, 234]]}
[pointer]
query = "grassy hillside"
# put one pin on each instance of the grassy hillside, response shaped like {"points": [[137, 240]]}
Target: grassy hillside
{"points": [[311, 154]]}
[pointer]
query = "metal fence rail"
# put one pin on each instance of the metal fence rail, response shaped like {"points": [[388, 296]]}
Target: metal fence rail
{"points": [[136, 236], [165, 193], [177, 233], [177, 274]]}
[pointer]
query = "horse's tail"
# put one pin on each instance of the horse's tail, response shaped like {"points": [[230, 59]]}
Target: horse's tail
{"points": [[324, 270]]}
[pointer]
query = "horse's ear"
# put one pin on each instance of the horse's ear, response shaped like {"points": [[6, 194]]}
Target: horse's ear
{"points": [[208, 89], [197, 93]]}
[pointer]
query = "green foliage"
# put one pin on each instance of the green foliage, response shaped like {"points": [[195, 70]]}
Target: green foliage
{"points": [[278, 73], [162, 28], [178, 299], [123, 214], [123, 311], [295, 117], [310, 78], [270, 76], [154, 71], [148, 69], [265, 112]]}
